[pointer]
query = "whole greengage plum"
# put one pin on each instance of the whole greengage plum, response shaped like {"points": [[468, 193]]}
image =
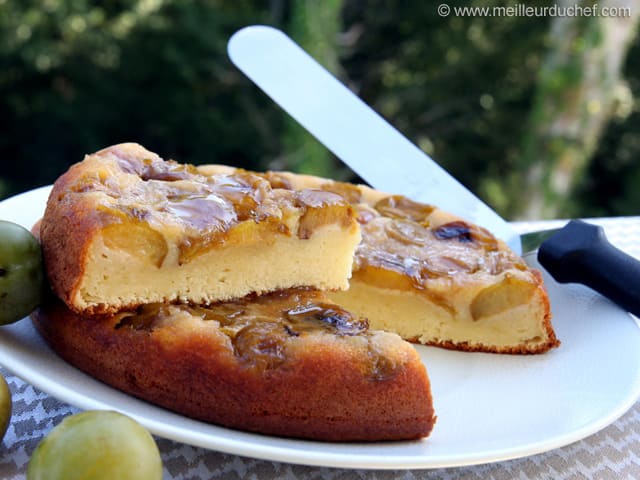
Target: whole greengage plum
{"points": [[5, 406], [21, 272], [96, 445]]}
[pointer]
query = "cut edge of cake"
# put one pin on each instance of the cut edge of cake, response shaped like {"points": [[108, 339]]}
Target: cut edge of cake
{"points": [[114, 234]]}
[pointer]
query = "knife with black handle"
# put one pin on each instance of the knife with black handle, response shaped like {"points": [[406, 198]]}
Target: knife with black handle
{"points": [[579, 252]]}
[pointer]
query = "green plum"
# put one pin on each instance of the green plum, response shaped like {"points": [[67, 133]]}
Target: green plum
{"points": [[96, 445], [5, 406], [21, 272]]}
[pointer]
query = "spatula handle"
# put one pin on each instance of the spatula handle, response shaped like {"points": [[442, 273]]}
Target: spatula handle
{"points": [[581, 253]]}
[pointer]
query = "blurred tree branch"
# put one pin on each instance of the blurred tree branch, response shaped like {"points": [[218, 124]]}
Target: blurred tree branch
{"points": [[315, 26], [575, 98]]}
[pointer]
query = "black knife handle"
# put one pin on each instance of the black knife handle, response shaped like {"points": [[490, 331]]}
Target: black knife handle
{"points": [[581, 253]]}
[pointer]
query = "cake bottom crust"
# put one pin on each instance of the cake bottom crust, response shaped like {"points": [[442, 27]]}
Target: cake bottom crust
{"points": [[323, 387]]}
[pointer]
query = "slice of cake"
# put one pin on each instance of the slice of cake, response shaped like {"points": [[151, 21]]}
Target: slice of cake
{"points": [[434, 278], [124, 228], [289, 363]]}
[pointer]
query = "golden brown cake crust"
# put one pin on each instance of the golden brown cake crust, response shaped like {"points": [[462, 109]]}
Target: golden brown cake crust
{"points": [[316, 373]]}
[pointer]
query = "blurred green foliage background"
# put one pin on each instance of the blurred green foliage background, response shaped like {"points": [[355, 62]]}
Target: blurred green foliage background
{"points": [[79, 75]]}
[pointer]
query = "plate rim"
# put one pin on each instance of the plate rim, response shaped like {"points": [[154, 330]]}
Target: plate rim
{"points": [[238, 446]]}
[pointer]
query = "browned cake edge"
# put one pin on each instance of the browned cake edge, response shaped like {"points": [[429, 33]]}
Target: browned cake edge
{"points": [[525, 349], [64, 250], [322, 396]]}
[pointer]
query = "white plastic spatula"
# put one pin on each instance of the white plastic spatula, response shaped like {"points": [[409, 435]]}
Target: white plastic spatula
{"points": [[354, 132]]}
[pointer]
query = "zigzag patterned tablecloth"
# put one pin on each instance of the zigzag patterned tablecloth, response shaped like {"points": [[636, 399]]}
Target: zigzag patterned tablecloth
{"points": [[612, 453]]}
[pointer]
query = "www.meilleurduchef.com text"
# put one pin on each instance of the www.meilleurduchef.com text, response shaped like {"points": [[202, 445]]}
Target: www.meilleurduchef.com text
{"points": [[523, 10]]}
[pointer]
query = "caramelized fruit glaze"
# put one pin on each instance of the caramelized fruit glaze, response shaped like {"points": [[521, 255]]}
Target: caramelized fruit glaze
{"points": [[402, 236], [207, 210], [259, 327]]}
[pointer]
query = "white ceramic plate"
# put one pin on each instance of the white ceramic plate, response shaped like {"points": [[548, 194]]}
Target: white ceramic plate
{"points": [[490, 407]]}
